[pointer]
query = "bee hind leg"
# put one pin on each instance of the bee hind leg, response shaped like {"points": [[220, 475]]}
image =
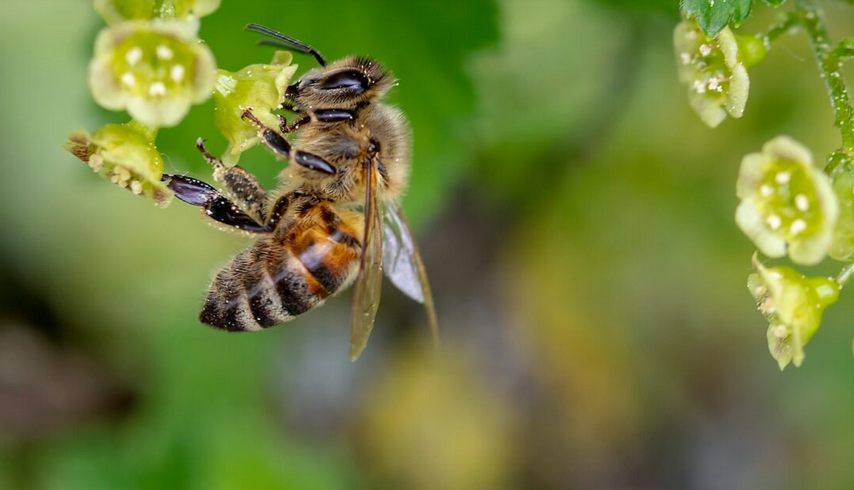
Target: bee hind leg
{"points": [[215, 206]]}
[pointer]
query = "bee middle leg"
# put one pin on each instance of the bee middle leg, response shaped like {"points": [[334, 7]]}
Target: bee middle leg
{"points": [[215, 206], [240, 185], [281, 147]]}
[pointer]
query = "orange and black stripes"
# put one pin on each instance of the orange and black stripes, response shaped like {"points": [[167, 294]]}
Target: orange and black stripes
{"points": [[284, 274]]}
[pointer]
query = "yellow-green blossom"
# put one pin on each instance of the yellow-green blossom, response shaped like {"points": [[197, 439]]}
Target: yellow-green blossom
{"points": [[257, 87], [155, 70], [793, 305], [787, 203], [714, 71], [116, 11], [125, 155]]}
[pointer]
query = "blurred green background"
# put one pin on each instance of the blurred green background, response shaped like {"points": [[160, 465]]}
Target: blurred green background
{"points": [[577, 223]]}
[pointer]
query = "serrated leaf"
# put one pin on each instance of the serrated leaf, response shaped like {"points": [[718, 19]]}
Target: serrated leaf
{"points": [[713, 15]]}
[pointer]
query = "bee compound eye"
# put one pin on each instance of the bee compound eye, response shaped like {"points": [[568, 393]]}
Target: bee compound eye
{"points": [[350, 80]]}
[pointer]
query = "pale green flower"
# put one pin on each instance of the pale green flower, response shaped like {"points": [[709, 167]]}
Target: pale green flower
{"points": [[787, 203], [793, 305], [257, 87], [125, 155], [116, 11], [155, 70], [714, 71]]}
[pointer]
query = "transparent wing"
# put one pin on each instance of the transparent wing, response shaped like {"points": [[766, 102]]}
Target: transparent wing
{"points": [[366, 298], [402, 263]]}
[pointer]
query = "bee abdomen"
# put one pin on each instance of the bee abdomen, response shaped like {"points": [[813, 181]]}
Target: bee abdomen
{"points": [[297, 289], [262, 287], [243, 296], [281, 277]]}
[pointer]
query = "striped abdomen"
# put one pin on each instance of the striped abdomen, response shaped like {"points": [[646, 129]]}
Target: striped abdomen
{"points": [[284, 274]]}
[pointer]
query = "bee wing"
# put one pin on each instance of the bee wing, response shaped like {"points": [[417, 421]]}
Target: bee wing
{"points": [[366, 298], [402, 263]]}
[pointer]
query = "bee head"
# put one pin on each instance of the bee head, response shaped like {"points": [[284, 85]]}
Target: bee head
{"points": [[344, 84]]}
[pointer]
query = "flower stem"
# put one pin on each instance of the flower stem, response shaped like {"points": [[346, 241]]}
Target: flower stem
{"points": [[845, 274], [829, 64], [784, 26]]}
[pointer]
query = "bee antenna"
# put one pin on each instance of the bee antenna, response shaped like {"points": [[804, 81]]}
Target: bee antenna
{"points": [[283, 41]]}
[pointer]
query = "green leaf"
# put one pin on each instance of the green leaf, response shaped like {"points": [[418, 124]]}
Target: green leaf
{"points": [[714, 15], [777, 3]]}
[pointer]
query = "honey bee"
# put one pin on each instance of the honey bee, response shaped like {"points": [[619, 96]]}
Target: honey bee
{"points": [[336, 216]]}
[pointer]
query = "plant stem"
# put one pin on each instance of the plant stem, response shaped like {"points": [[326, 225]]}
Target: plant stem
{"points": [[845, 274], [782, 27], [829, 65]]}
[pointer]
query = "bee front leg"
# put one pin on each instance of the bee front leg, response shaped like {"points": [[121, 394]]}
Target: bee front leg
{"points": [[282, 148], [286, 128], [215, 206], [240, 185]]}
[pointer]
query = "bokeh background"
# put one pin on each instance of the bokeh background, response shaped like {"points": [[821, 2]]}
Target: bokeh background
{"points": [[577, 223]]}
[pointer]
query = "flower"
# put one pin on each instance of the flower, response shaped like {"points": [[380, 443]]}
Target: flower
{"points": [[786, 201], [125, 155], [117, 11], [155, 70], [257, 87], [793, 305], [842, 180], [714, 71]]}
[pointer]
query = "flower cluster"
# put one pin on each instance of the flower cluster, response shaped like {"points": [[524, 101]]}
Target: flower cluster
{"points": [[790, 205], [150, 62]]}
